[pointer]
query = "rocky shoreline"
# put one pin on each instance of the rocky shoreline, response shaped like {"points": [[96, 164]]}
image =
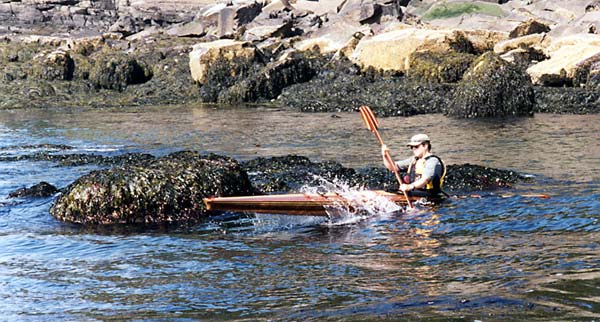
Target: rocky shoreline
{"points": [[401, 57]]}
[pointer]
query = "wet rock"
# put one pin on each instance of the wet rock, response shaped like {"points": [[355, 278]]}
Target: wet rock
{"points": [[40, 190], [567, 100], [268, 82], [340, 86], [492, 88], [468, 177], [170, 189], [118, 71], [290, 173]]}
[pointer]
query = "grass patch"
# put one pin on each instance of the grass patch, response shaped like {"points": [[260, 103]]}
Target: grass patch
{"points": [[456, 9]]}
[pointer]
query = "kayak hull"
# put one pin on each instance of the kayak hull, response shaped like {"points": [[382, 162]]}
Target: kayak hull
{"points": [[290, 204]]}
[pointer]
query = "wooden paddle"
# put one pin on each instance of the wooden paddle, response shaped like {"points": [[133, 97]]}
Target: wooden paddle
{"points": [[372, 124]]}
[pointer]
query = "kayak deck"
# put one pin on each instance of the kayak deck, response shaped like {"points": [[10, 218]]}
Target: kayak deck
{"points": [[290, 204]]}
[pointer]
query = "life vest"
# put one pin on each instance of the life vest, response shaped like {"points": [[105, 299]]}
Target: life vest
{"points": [[416, 169]]}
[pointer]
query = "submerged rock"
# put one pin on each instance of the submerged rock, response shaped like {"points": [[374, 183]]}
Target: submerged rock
{"points": [[40, 190], [169, 189]]}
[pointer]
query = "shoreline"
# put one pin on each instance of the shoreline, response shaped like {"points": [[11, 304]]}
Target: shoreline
{"points": [[295, 56]]}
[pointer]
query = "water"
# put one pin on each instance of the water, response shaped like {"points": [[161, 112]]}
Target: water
{"points": [[489, 258]]}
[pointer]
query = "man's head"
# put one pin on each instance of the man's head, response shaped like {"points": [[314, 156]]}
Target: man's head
{"points": [[418, 141]]}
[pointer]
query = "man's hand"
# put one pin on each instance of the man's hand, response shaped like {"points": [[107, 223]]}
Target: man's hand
{"points": [[406, 187]]}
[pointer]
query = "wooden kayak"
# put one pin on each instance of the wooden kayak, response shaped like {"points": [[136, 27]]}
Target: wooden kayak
{"points": [[292, 204]]}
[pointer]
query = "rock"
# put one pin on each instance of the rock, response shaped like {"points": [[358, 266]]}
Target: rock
{"points": [[492, 88], [289, 173], [127, 26], [565, 53], [40, 190], [169, 189], [333, 36], [268, 82], [529, 27], [341, 86], [57, 65], [190, 29], [439, 67], [118, 71], [390, 51], [276, 28], [203, 55]]}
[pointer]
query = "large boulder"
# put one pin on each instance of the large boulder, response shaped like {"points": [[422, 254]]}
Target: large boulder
{"points": [[566, 55], [169, 189], [56, 65], [117, 71], [204, 55], [492, 88], [268, 82], [391, 51]]}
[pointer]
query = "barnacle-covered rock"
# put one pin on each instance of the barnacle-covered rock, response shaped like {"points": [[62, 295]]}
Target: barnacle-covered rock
{"points": [[290, 173], [168, 189], [42, 189], [492, 88]]}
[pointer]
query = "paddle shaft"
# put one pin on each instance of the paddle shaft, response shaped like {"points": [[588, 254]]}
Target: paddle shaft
{"points": [[372, 124]]}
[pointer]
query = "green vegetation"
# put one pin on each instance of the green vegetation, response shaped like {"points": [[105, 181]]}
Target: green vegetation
{"points": [[456, 9]]}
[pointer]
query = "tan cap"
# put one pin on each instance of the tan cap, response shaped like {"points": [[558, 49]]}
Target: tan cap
{"points": [[418, 139]]}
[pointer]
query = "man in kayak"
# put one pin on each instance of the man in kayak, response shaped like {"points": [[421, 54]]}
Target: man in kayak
{"points": [[425, 171]]}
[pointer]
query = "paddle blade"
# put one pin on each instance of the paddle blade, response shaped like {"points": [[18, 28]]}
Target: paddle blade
{"points": [[369, 118]]}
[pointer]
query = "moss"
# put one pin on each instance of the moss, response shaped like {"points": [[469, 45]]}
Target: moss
{"points": [[446, 67], [455, 9]]}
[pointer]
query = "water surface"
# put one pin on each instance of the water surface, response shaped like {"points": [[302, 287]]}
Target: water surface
{"points": [[490, 258]]}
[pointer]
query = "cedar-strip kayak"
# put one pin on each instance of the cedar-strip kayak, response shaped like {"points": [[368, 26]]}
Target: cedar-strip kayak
{"points": [[291, 204]]}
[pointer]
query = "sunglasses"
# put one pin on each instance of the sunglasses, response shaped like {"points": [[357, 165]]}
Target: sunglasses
{"points": [[412, 147]]}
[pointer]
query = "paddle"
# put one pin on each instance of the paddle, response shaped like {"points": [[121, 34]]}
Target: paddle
{"points": [[372, 124]]}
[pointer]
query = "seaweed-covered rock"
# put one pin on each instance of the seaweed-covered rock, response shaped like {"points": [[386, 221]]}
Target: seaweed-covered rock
{"points": [[567, 100], [290, 173], [268, 82], [492, 88], [42, 189], [57, 65], [169, 189], [447, 67], [118, 71], [341, 87], [468, 177]]}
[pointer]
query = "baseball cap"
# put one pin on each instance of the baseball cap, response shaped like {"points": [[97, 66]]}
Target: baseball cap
{"points": [[418, 139]]}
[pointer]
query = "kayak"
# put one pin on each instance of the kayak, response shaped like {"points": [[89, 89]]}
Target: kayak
{"points": [[307, 204]]}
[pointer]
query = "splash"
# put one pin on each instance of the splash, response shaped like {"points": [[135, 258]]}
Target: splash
{"points": [[356, 203]]}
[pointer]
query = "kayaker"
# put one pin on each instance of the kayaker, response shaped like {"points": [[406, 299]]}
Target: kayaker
{"points": [[425, 171]]}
